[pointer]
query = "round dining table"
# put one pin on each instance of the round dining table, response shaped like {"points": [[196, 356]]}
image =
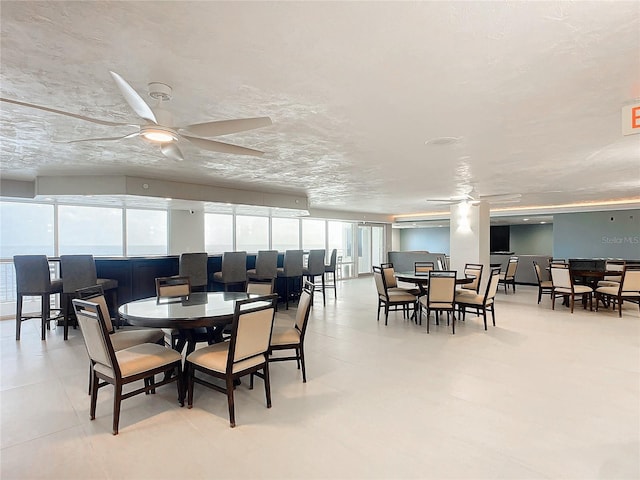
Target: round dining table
{"points": [[422, 279]]}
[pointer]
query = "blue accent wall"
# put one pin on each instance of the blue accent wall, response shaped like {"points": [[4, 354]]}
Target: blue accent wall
{"points": [[531, 239], [613, 234], [435, 240]]}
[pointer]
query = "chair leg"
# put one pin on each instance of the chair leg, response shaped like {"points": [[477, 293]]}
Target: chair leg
{"points": [[190, 372], [267, 384], [180, 382], [232, 415], [324, 299], [94, 395], [117, 400], [18, 315], [301, 357]]}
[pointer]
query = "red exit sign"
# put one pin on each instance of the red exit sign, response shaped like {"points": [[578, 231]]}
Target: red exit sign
{"points": [[631, 119]]}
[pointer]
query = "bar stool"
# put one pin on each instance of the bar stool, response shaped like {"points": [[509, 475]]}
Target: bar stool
{"points": [[266, 264], [34, 279], [79, 271], [331, 269], [290, 271], [234, 270], [316, 268], [194, 266]]}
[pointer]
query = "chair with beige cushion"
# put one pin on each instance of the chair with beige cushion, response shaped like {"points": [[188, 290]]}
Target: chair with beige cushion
{"points": [[614, 268], [246, 352], [474, 272], [139, 362], [391, 299], [545, 285], [508, 277], [175, 287], [563, 286], [124, 337], [391, 281], [440, 297], [470, 299], [33, 279], [627, 290], [292, 337], [260, 284]]}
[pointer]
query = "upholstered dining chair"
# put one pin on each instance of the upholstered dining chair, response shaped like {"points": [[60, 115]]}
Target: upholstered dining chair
{"points": [[469, 299], [194, 266], [473, 271], [545, 285], [260, 284], [423, 268], [245, 353], [292, 337], [172, 287], [291, 273], [125, 336], [627, 290], [563, 286], [391, 299], [266, 264], [391, 281], [120, 368], [33, 278], [234, 270], [614, 268], [440, 297], [508, 277], [316, 268]]}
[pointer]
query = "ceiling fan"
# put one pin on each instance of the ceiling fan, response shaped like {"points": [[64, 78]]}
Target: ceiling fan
{"points": [[474, 198], [158, 127]]}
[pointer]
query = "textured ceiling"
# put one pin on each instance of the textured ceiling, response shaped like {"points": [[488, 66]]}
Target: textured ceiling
{"points": [[531, 91]]}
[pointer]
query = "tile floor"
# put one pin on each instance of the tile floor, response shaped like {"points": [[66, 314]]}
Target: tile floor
{"points": [[544, 394]]}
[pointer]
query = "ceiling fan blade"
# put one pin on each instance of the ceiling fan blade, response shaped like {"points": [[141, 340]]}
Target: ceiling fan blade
{"points": [[134, 100], [447, 201], [224, 127], [68, 114], [500, 197], [171, 150], [221, 147], [98, 139]]}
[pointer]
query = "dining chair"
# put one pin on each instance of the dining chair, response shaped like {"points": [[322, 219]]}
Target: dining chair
{"points": [[266, 264], [422, 268], [474, 272], [615, 269], [469, 299], [125, 336], [627, 290], [33, 279], [79, 271], [292, 337], [391, 299], [234, 270], [120, 368], [194, 266], [316, 268], [291, 273], [440, 297], [545, 285], [245, 353], [508, 277], [563, 286], [391, 282], [173, 287], [331, 269], [260, 284]]}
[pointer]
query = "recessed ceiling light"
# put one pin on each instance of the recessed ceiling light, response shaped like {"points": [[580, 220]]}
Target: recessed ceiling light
{"points": [[525, 219], [543, 222], [442, 141]]}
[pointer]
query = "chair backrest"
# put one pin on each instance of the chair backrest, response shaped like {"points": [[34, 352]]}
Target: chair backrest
{"points": [[267, 263], [422, 268], [378, 276], [390, 280], [95, 294], [260, 284], [292, 264], [176, 286], [32, 273], [616, 266], [561, 276], [251, 332], [474, 271], [631, 279], [512, 266], [333, 260], [95, 334], [442, 287], [304, 307], [492, 286], [315, 265], [440, 263], [194, 266], [539, 275], [234, 267], [77, 271]]}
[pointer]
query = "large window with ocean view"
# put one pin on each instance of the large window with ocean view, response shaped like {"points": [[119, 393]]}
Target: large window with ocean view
{"points": [[252, 233], [146, 232], [90, 230], [218, 233], [313, 234], [285, 234], [26, 229]]}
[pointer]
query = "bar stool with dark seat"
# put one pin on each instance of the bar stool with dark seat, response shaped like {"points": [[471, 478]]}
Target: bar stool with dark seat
{"points": [[34, 279], [331, 269], [315, 268], [266, 264], [290, 272], [194, 266], [79, 271], [234, 270]]}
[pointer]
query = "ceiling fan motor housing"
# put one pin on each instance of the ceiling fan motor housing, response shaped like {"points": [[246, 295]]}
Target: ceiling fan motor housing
{"points": [[160, 91]]}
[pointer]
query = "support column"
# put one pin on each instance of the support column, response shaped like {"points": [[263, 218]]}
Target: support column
{"points": [[469, 237]]}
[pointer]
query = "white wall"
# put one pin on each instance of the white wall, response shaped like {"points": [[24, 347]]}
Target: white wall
{"points": [[186, 231]]}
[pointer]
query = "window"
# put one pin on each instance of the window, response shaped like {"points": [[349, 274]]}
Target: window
{"points": [[252, 233], [146, 232], [313, 234], [90, 230], [285, 234], [218, 233], [26, 229]]}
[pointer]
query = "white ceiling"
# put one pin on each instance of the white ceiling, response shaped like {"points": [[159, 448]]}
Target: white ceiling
{"points": [[532, 91]]}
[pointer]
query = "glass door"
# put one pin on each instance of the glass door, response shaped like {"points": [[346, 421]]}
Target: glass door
{"points": [[370, 247]]}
